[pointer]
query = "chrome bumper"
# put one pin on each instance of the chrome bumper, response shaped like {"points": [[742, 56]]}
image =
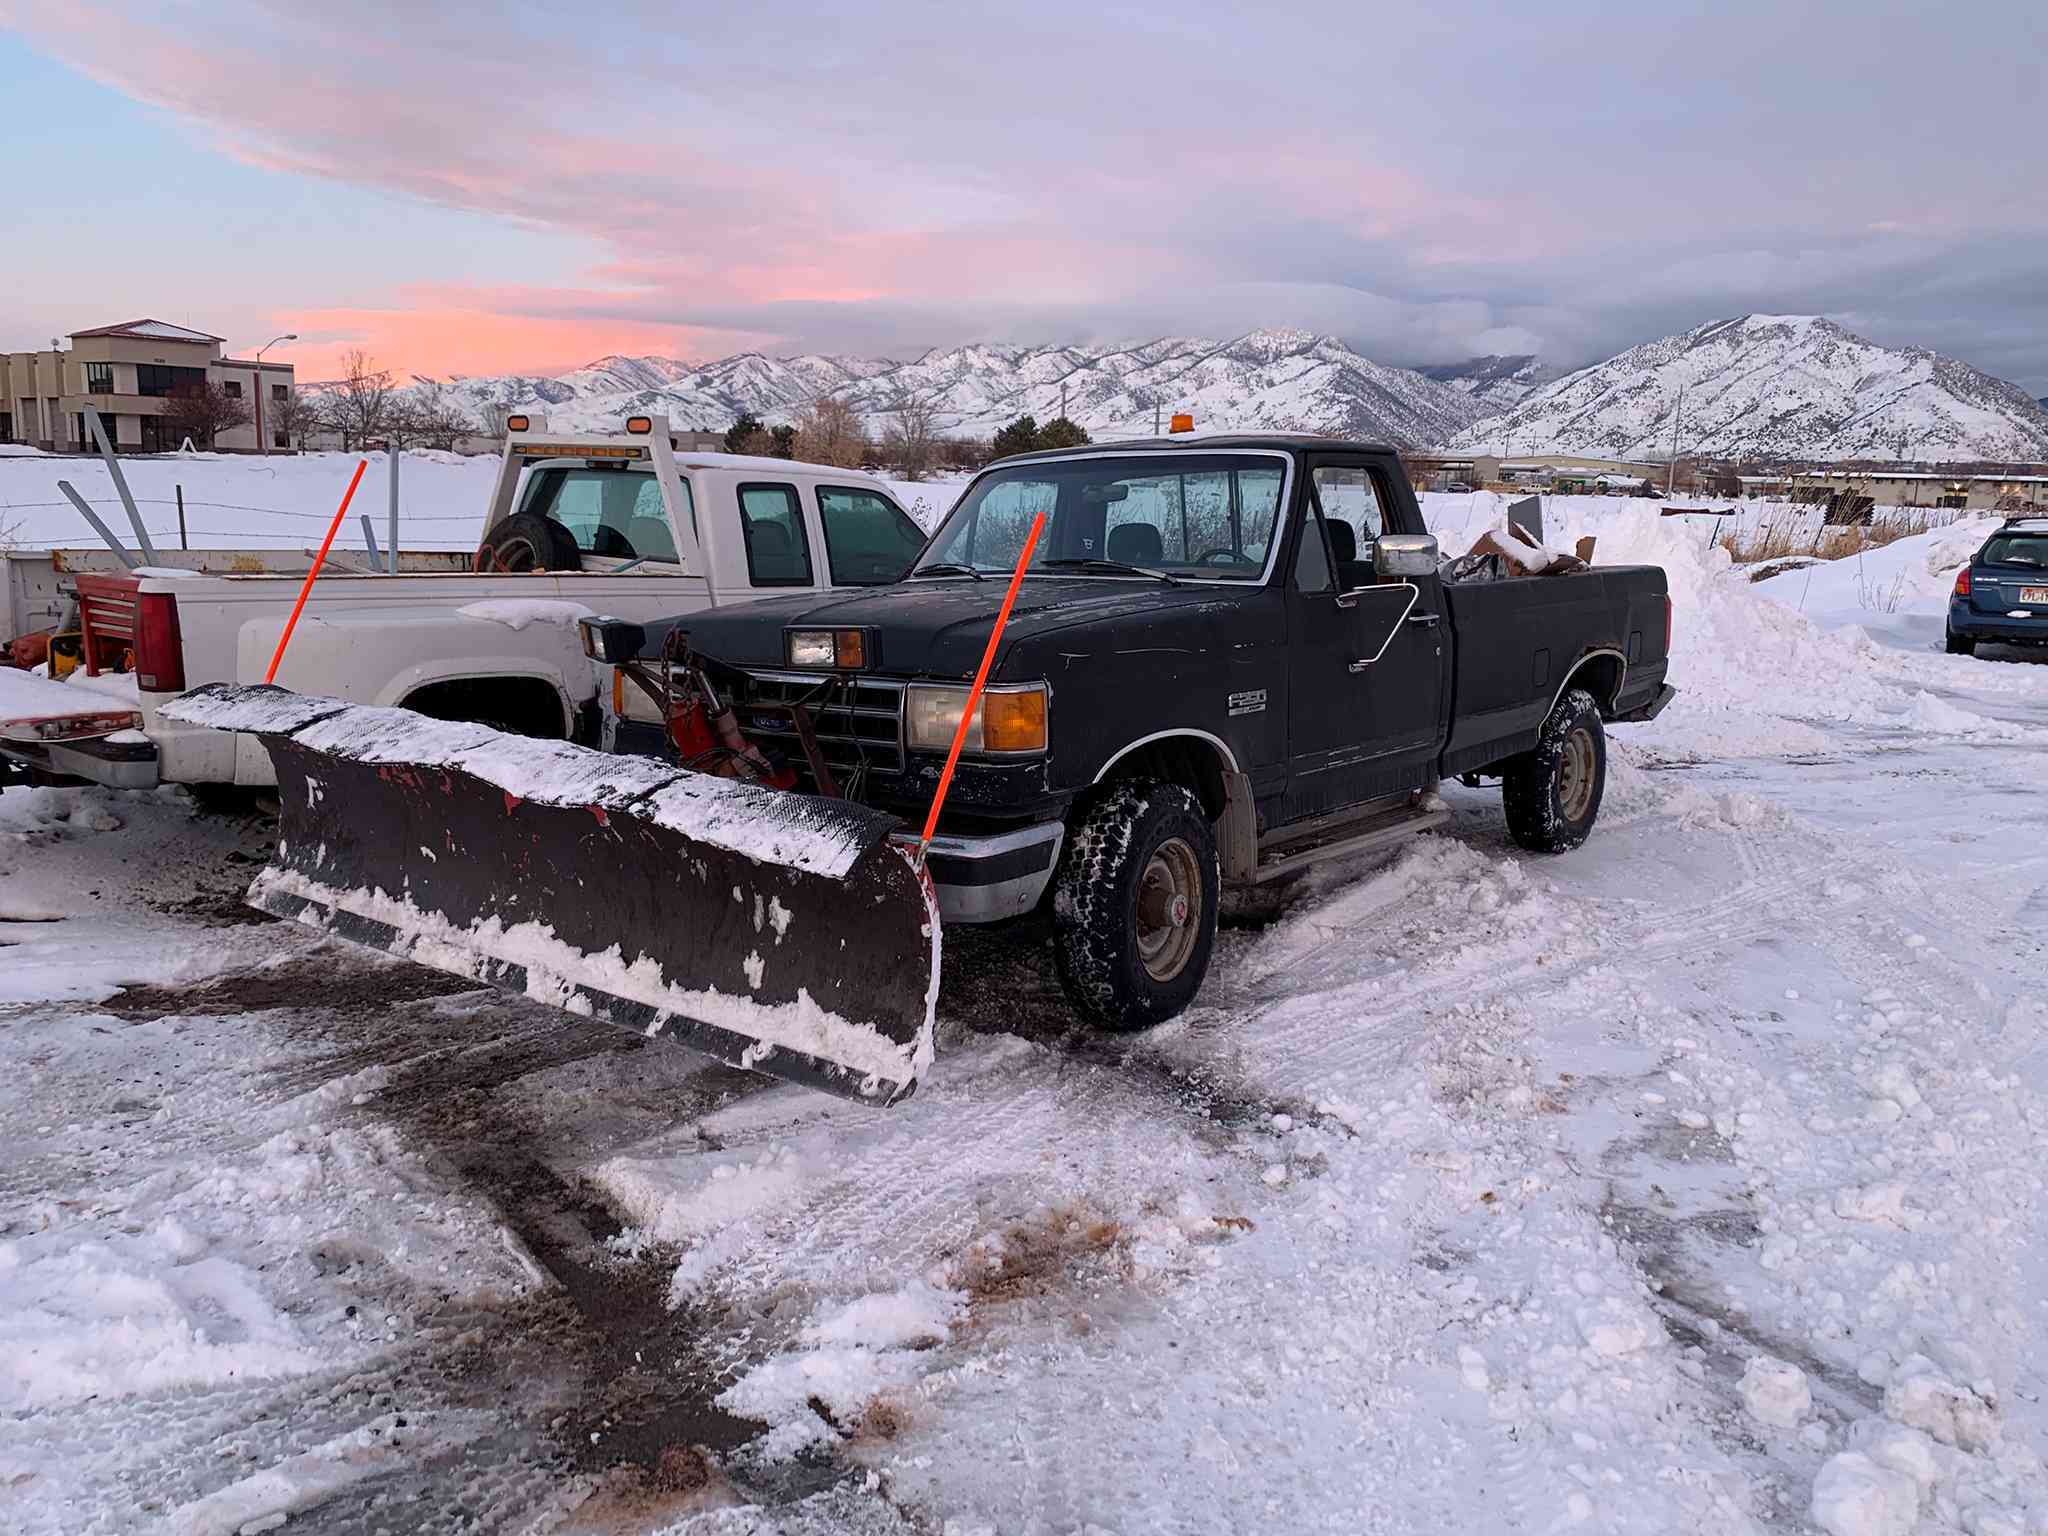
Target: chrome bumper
{"points": [[986, 879], [115, 764]]}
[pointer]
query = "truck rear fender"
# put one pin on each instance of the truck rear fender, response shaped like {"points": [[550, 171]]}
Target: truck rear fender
{"points": [[1601, 673]]}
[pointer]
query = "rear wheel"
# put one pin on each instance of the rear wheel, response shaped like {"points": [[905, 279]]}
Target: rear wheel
{"points": [[1959, 645], [1552, 792], [1134, 907]]}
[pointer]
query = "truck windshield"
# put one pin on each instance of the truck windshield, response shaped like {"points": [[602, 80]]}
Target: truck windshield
{"points": [[1201, 516]]}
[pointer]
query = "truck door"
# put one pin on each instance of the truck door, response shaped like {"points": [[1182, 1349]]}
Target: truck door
{"points": [[1365, 656]]}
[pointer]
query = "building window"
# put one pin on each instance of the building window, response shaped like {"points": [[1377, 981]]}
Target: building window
{"points": [[160, 380], [278, 439], [280, 393], [233, 387], [99, 378]]}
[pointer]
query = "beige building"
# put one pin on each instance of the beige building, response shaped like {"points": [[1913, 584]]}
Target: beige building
{"points": [[2003, 492], [126, 372]]}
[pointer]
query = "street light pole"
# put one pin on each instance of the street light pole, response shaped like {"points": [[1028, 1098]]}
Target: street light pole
{"points": [[262, 442]]}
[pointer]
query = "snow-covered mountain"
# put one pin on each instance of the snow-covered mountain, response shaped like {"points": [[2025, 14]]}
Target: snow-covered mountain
{"points": [[1267, 380], [1495, 381], [1774, 386]]}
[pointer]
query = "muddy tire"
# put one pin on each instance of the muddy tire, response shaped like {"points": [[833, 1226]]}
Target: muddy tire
{"points": [[1958, 645], [1552, 792], [1134, 905]]}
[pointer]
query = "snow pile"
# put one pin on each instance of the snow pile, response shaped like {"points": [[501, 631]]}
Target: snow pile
{"points": [[518, 612], [1909, 575]]}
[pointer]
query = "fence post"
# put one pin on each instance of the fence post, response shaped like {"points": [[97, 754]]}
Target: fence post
{"points": [[183, 542], [391, 527]]}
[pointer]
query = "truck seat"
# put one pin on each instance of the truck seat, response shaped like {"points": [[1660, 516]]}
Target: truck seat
{"points": [[1136, 544], [1352, 572]]}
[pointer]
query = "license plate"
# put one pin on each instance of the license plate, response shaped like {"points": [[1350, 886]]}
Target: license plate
{"points": [[2034, 594]]}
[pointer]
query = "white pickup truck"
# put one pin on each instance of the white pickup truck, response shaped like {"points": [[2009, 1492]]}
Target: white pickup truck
{"points": [[621, 524]]}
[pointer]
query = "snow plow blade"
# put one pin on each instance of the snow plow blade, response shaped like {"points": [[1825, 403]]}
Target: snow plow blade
{"points": [[775, 931]]}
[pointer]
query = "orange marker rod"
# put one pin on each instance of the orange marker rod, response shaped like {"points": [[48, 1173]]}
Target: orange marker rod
{"points": [[988, 656], [306, 589]]}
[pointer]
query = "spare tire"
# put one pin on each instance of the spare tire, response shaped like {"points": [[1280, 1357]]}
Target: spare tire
{"points": [[526, 541]]}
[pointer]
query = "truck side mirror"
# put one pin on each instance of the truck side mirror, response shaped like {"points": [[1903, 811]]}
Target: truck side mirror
{"points": [[1402, 555]]}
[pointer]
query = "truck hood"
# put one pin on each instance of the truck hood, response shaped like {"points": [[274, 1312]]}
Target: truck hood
{"points": [[939, 628]]}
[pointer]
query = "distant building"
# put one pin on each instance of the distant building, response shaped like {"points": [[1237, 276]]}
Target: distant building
{"points": [[126, 372], [2004, 491]]}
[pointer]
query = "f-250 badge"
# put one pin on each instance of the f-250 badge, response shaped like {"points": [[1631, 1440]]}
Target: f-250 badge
{"points": [[1252, 702]]}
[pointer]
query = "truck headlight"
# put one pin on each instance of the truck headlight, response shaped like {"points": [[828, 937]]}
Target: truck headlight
{"points": [[1009, 718], [611, 640], [846, 649]]}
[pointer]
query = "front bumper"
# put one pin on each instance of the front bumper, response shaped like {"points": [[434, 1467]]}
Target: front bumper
{"points": [[988, 879], [117, 765]]}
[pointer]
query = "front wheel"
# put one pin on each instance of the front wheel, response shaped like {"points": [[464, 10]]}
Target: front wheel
{"points": [[1959, 645], [1552, 792], [1134, 906]]}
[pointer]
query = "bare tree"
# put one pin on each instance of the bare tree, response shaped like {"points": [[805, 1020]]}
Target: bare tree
{"points": [[425, 416], [297, 417], [829, 432], [911, 440], [359, 402], [204, 413]]}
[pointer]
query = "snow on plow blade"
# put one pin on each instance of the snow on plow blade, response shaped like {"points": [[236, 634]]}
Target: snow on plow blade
{"points": [[778, 932]]}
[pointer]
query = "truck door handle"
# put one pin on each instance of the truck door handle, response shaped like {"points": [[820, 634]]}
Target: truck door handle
{"points": [[1426, 620]]}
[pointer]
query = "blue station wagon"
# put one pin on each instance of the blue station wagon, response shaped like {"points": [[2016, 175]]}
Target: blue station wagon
{"points": [[2001, 596]]}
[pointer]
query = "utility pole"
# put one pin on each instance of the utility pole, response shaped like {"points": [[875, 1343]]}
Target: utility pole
{"points": [[1063, 399], [262, 442], [1671, 469]]}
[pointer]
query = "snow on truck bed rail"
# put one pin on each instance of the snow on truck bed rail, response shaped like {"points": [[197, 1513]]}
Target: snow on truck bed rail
{"points": [[763, 825]]}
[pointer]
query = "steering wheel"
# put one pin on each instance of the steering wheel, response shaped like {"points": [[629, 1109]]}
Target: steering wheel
{"points": [[1221, 557]]}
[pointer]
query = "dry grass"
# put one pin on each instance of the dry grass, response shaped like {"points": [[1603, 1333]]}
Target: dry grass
{"points": [[1783, 538]]}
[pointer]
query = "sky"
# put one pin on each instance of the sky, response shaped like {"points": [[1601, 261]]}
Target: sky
{"points": [[465, 189]]}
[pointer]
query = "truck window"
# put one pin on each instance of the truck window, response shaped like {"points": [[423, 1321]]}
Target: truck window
{"points": [[778, 550], [868, 539], [614, 513], [1312, 559], [1350, 506]]}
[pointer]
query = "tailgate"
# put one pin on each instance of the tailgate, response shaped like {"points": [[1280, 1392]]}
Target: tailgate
{"points": [[35, 709]]}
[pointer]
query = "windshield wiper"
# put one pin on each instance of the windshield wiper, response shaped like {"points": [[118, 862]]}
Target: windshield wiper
{"points": [[1110, 565], [948, 568]]}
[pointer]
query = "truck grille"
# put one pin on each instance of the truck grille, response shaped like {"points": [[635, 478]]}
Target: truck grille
{"points": [[855, 720]]}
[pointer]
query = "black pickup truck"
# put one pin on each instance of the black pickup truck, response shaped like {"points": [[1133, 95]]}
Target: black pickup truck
{"points": [[1230, 657]]}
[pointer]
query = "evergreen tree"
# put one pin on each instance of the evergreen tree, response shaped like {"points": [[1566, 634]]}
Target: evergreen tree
{"points": [[737, 434], [1062, 433], [1020, 436]]}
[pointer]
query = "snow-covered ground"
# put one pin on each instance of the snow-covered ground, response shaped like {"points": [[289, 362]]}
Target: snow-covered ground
{"points": [[1690, 1182]]}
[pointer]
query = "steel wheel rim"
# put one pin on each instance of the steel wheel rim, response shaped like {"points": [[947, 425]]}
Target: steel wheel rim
{"points": [[1575, 775], [1169, 915]]}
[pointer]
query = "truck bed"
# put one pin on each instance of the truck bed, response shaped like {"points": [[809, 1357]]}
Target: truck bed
{"points": [[1515, 642]]}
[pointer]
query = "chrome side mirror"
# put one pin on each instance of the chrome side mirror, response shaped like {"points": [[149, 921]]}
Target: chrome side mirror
{"points": [[1404, 554]]}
